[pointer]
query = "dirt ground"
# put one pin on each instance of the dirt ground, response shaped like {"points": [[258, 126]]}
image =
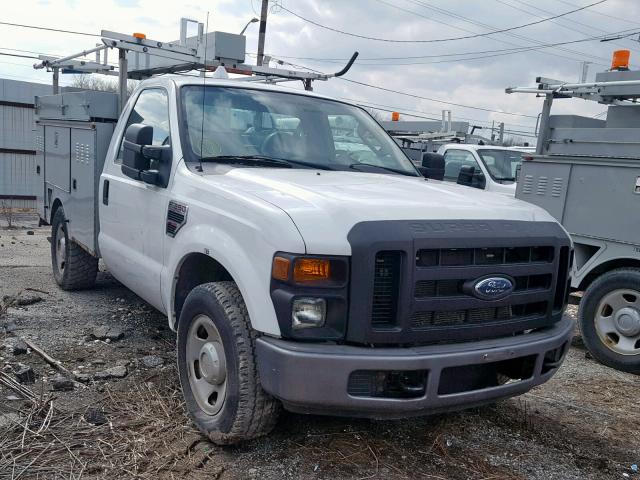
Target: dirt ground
{"points": [[583, 424]]}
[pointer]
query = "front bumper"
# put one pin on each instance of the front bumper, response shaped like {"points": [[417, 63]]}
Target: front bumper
{"points": [[314, 378]]}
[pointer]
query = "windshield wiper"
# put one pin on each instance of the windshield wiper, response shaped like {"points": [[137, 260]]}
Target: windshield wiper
{"points": [[247, 159], [506, 179], [354, 166], [262, 159]]}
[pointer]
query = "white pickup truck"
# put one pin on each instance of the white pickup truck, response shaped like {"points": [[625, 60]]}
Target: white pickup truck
{"points": [[485, 167], [300, 256]]}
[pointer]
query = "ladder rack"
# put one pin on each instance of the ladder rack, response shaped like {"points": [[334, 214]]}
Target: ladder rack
{"points": [[614, 136], [140, 58]]}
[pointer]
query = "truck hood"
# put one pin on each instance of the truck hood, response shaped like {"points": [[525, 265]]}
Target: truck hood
{"points": [[325, 205]]}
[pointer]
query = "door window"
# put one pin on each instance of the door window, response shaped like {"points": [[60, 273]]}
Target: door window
{"points": [[454, 160], [151, 108]]}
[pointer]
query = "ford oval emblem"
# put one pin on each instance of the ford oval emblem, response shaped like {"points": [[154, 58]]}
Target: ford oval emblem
{"points": [[493, 288]]}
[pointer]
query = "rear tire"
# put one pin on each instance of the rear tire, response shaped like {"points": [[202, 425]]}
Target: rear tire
{"points": [[609, 317], [217, 366], [73, 268]]}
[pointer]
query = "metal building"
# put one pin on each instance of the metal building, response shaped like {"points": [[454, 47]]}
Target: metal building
{"points": [[17, 142]]}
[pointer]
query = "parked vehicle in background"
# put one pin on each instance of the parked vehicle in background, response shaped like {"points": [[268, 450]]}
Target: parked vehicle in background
{"points": [[586, 173], [486, 167]]}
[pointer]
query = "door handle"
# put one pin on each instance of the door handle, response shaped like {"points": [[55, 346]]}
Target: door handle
{"points": [[105, 192]]}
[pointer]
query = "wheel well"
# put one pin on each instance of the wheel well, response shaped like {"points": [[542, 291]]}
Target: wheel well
{"points": [[607, 267], [196, 269], [54, 208]]}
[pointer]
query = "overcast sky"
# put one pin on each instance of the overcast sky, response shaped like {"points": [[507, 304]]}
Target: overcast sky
{"points": [[477, 82]]}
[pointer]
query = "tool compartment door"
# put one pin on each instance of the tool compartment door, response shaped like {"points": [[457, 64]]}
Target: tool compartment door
{"points": [[80, 208], [39, 173], [57, 169]]}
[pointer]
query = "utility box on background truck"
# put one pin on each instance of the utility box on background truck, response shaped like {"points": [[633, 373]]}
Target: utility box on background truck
{"points": [[586, 173]]}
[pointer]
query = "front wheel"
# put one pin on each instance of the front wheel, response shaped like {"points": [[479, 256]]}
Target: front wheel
{"points": [[73, 268], [610, 319], [217, 366]]}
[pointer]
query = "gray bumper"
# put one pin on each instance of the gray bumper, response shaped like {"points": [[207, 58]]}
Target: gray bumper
{"points": [[313, 378]]}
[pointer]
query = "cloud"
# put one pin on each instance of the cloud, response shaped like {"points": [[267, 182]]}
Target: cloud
{"points": [[479, 82]]}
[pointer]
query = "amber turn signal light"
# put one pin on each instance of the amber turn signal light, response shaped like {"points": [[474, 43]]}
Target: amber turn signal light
{"points": [[311, 270], [280, 268]]}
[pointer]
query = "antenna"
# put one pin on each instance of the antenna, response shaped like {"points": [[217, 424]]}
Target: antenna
{"points": [[204, 77]]}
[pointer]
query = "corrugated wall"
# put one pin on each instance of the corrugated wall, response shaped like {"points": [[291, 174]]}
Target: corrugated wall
{"points": [[17, 179], [18, 126], [18, 185]]}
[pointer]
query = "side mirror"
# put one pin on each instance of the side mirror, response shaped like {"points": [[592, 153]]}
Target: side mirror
{"points": [[140, 155], [465, 176], [470, 178], [433, 164]]}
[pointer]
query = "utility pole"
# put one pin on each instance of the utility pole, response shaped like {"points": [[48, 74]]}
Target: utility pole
{"points": [[501, 133], [493, 134], [263, 30]]}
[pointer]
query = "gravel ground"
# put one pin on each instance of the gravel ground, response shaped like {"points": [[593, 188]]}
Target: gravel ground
{"points": [[583, 424]]}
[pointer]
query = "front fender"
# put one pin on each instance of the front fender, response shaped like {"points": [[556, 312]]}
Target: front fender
{"points": [[244, 249]]}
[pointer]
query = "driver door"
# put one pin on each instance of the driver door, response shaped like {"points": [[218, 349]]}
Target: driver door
{"points": [[133, 213]]}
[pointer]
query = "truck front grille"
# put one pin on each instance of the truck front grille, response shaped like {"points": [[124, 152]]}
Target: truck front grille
{"points": [[472, 316], [451, 288], [385, 288], [440, 300], [413, 282], [459, 257]]}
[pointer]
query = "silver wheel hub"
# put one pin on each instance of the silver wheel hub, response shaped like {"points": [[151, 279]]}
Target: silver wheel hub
{"points": [[206, 363], [212, 363], [627, 321], [617, 321]]}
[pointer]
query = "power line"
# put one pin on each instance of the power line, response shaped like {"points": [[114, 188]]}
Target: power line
{"points": [[435, 99], [506, 51], [533, 7], [49, 29], [520, 37], [436, 40], [602, 14], [414, 95], [18, 55], [421, 113], [455, 15]]}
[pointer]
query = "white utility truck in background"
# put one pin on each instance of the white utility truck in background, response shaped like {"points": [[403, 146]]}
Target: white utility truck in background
{"points": [[302, 265], [586, 173], [486, 167]]}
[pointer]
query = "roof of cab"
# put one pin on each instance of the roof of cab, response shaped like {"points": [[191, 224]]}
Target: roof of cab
{"points": [[181, 80]]}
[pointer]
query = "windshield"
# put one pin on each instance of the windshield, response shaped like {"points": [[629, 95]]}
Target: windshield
{"points": [[501, 164], [302, 131]]}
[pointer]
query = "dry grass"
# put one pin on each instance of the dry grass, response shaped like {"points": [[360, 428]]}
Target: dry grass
{"points": [[140, 433]]}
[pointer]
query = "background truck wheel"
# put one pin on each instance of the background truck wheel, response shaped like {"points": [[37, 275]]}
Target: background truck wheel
{"points": [[217, 366], [610, 319], [73, 268]]}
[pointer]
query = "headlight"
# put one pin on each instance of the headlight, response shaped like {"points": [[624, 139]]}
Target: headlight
{"points": [[312, 271], [310, 294], [308, 313]]}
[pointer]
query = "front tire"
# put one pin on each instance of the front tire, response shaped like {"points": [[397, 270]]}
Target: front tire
{"points": [[610, 319], [73, 268], [217, 366]]}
